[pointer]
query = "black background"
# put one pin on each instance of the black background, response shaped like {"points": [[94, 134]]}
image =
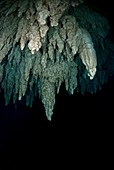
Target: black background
{"points": [[25, 131]]}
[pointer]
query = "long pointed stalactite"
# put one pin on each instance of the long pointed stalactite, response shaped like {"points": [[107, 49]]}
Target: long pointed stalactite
{"points": [[45, 43]]}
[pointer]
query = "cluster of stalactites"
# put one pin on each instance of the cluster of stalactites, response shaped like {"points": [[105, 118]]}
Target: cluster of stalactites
{"points": [[41, 45], [50, 66], [32, 20]]}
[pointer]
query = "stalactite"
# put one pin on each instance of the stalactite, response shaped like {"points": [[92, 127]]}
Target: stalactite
{"points": [[46, 43]]}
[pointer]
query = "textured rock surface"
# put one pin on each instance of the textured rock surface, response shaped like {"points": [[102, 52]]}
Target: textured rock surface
{"points": [[46, 43]]}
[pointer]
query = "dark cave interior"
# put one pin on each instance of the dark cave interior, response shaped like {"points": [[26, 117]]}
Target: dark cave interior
{"points": [[22, 127]]}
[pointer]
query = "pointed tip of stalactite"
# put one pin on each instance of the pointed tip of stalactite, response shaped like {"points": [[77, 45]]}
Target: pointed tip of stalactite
{"points": [[49, 117], [91, 73]]}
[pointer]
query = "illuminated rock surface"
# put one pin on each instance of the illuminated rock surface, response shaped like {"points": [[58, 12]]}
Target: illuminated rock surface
{"points": [[44, 44]]}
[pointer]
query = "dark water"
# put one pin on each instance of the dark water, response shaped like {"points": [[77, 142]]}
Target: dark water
{"points": [[25, 131]]}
